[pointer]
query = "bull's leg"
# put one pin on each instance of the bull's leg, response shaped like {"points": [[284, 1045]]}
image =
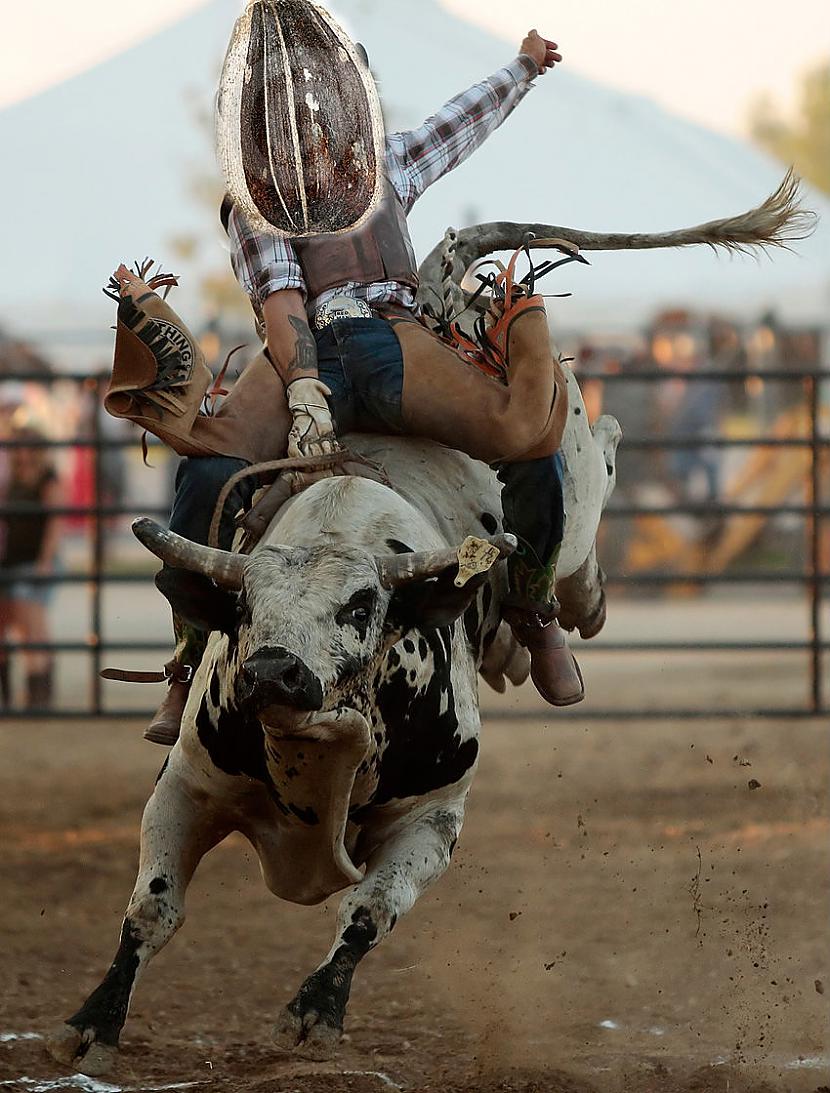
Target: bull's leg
{"points": [[402, 866], [175, 834], [582, 598]]}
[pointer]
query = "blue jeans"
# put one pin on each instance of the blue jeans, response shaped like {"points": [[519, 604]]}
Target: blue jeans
{"points": [[199, 482], [360, 361], [533, 502]]}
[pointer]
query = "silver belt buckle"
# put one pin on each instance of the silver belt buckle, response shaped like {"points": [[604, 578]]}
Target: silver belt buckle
{"points": [[341, 307]]}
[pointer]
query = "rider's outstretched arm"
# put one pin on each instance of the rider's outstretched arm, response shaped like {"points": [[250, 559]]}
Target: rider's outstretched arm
{"points": [[448, 138]]}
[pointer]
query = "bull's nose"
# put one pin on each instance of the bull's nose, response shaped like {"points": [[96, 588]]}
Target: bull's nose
{"points": [[275, 677]]}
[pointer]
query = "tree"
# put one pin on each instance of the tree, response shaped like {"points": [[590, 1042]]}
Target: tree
{"points": [[803, 140]]}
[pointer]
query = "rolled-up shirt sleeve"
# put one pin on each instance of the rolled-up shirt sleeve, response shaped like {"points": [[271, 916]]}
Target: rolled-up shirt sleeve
{"points": [[263, 263], [462, 125]]}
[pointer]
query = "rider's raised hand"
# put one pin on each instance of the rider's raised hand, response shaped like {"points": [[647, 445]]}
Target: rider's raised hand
{"points": [[541, 50]]}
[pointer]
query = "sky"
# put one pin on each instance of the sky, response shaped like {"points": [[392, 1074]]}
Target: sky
{"points": [[706, 61]]}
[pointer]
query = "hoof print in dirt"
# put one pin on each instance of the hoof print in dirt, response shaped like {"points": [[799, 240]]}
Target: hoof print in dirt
{"points": [[306, 1035], [78, 1049]]}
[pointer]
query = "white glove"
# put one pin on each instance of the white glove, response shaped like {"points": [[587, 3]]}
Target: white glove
{"points": [[313, 430]]}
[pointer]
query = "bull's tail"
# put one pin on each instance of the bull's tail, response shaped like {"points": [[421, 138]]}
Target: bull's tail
{"points": [[781, 221]]}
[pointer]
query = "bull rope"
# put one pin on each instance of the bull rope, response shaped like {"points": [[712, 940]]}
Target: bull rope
{"points": [[304, 469]]}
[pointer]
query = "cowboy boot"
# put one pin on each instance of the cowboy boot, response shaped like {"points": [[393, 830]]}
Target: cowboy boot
{"points": [[553, 667], [531, 611], [166, 725]]}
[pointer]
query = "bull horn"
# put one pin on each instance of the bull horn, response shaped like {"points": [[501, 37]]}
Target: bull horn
{"points": [[221, 566], [474, 556]]}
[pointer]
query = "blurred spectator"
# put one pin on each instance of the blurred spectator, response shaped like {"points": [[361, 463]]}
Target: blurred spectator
{"points": [[7, 409], [111, 466], [634, 403], [690, 410], [696, 470], [29, 551]]}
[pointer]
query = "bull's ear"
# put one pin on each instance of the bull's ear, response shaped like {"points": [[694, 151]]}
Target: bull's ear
{"points": [[197, 600], [432, 604]]}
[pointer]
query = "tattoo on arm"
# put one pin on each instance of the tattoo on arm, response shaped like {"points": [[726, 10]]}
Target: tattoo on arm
{"points": [[305, 351]]}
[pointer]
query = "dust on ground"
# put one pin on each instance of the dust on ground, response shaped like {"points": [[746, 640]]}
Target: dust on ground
{"points": [[623, 913]]}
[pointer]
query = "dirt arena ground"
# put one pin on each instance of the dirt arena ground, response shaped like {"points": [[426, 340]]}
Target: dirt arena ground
{"points": [[624, 913]]}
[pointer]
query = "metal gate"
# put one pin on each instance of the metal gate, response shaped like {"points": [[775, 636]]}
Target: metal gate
{"points": [[811, 577]]}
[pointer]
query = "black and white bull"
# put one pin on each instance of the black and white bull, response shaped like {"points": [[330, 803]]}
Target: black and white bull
{"points": [[334, 720]]}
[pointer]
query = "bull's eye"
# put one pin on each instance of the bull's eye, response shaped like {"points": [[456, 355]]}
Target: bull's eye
{"points": [[358, 611]]}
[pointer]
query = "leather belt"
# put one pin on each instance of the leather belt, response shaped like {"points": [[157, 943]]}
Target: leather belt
{"points": [[340, 307], [349, 307]]}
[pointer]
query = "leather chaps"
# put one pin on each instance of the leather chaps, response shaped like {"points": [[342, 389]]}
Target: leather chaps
{"points": [[445, 398]]}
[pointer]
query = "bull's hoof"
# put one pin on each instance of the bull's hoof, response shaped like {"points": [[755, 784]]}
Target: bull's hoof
{"points": [[288, 1031], [505, 661], [66, 1045], [306, 1035], [572, 617], [73, 1047], [100, 1059], [593, 624], [321, 1044]]}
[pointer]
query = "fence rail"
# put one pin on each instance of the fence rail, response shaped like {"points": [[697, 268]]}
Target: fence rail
{"points": [[811, 578]]}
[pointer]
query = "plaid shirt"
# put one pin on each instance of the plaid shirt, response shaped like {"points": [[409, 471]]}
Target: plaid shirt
{"points": [[266, 263]]}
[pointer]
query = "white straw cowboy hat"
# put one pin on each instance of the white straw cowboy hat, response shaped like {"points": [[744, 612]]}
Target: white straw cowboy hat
{"points": [[299, 128]]}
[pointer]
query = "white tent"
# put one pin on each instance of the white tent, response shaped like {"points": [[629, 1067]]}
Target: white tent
{"points": [[90, 179]]}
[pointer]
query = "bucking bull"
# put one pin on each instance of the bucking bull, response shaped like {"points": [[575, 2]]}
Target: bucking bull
{"points": [[334, 720]]}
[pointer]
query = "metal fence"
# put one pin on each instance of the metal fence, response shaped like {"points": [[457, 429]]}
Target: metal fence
{"points": [[810, 578]]}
